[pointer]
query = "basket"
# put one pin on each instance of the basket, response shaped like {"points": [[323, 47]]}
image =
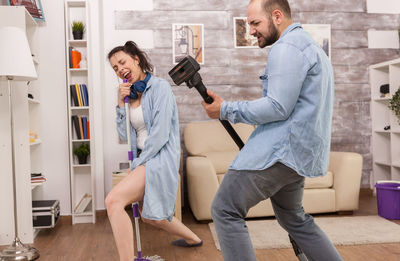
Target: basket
{"points": [[388, 199]]}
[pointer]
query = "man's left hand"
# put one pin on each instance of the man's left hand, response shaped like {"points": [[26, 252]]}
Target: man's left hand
{"points": [[213, 109]]}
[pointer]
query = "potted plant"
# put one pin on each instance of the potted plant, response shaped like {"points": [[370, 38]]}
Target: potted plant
{"points": [[82, 151], [394, 104], [77, 30]]}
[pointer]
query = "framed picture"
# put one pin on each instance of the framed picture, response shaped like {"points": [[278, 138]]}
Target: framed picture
{"points": [[187, 39], [34, 7], [321, 33], [241, 34]]}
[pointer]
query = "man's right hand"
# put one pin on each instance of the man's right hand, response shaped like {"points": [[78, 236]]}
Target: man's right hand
{"points": [[213, 109]]}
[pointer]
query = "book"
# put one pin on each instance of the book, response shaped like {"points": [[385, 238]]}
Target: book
{"points": [[74, 95], [88, 130], [85, 94], [38, 180], [83, 204], [82, 95], [80, 127], [78, 93], [84, 125], [70, 56], [75, 122]]}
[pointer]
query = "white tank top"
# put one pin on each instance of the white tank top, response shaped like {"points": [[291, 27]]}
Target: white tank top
{"points": [[136, 118]]}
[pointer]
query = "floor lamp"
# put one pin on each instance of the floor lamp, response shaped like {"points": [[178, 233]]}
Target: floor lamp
{"points": [[16, 64]]}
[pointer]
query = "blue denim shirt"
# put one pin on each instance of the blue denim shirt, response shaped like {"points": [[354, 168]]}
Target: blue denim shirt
{"points": [[294, 115], [161, 150]]}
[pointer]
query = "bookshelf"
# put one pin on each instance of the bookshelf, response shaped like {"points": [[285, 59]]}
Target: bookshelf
{"points": [[80, 116], [385, 143], [28, 150]]}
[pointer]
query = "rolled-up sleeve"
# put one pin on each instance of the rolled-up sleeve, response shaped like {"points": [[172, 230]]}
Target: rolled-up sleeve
{"points": [[288, 69]]}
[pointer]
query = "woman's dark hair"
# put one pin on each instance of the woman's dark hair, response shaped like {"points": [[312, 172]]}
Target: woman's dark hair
{"points": [[132, 50]]}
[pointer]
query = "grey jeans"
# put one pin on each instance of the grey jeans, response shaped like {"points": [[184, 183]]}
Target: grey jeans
{"points": [[241, 190]]}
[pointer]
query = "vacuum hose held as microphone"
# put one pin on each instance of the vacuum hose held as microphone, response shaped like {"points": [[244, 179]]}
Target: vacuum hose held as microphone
{"points": [[126, 99]]}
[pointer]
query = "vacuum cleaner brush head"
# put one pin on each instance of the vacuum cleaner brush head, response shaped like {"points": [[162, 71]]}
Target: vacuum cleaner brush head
{"points": [[184, 70], [149, 258]]}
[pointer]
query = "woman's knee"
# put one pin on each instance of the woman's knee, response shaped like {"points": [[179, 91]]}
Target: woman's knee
{"points": [[112, 203]]}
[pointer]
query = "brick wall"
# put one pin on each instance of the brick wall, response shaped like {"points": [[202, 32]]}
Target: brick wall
{"points": [[233, 73]]}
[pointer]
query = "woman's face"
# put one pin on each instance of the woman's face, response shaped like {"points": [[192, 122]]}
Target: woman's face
{"points": [[126, 67]]}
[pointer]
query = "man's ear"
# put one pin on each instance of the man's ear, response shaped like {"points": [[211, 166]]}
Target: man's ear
{"points": [[277, 16]]}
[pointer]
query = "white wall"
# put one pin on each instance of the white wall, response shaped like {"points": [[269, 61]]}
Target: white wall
{"points": [[113, 151]]}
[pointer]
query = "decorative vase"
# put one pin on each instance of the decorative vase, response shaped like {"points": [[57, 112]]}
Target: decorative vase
{"points": [[82, 159], [77, 35]]}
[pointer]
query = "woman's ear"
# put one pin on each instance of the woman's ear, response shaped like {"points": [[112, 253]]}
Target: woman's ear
{"points": [[136, 60]]}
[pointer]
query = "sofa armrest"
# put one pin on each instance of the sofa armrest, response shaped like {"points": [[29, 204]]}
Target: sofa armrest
{"points": [[347, 169], [202, 186]]}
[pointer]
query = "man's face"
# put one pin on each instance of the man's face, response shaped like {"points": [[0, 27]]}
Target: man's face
{"points": [[261, 25]]}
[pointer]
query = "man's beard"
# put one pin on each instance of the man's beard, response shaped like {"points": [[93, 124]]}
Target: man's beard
{"points": [[271, 38]]}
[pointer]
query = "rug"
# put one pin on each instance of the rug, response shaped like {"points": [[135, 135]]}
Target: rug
{"points": [[266, 234]]}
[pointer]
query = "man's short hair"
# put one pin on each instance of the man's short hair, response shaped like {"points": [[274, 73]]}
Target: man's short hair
{"points": [[271, 5]]}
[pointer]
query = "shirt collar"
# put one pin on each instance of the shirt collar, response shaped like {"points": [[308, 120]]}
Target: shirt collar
{"points": [[290, 28]]}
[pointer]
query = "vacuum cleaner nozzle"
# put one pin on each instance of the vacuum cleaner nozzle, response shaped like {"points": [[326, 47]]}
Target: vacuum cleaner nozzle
{"points": [[184, 70]]}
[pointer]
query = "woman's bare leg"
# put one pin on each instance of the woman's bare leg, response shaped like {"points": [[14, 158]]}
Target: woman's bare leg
{"points": [[175, 227], [128, 190]]}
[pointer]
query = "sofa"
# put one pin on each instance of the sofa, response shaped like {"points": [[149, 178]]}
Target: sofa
{"points": [[210, 151]]}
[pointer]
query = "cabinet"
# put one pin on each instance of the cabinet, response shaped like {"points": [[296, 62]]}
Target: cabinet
{"points": [[385, 142], [28, 153], [80, 116]]}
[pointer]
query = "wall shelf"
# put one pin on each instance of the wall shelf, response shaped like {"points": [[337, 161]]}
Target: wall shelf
{"points": [[36, 142], [77, 43], [33, 101], [82, 175], [385, 143], [35, 185], [27, 117]]}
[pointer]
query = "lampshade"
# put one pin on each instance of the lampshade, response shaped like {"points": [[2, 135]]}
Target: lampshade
{"points": [[15, 54]]}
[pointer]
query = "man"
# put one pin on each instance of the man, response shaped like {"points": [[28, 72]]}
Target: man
{"points": [[291, 141]]}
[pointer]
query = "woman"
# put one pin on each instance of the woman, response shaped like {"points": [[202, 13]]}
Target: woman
{"points": [[153, 177]]}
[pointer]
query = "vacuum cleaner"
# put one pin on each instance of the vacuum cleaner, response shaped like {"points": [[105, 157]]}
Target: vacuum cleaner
{"points": [[135, 205], [187, 71]]}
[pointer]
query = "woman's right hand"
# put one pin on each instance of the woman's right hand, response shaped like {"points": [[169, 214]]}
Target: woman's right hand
{"points": [[123, 91]]}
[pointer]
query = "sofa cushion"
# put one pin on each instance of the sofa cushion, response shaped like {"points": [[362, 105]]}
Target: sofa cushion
{"points": [[319, 182], [319, 200], [221, 160], [220, 177]]}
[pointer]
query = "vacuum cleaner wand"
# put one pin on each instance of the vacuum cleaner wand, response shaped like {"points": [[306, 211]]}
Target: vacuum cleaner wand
{"points": [[187, 71]]}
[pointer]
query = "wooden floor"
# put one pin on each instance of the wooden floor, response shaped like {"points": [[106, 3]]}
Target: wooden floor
{"points": [[95, 242]]}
